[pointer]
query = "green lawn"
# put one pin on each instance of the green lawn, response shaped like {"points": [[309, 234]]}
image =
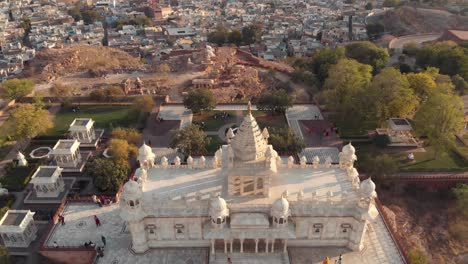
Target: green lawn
{"points": [[104, 116], [212, 124], [266, 119], [424, 161]]}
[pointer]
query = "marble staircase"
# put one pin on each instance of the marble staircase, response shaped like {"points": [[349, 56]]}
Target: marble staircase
{"points": [[250, 258]]}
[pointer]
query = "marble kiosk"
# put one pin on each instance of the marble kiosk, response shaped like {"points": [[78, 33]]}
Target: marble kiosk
{"points": [[82, 129], [247, 199], [66, 153], [48, 181], [17, 228]]}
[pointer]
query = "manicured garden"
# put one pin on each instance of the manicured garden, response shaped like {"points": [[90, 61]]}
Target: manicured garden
{"points": [[266, 119], [215, 143], [425, 161], [104, 116]]}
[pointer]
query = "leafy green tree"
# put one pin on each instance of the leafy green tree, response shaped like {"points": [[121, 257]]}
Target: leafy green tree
{"points": [[108, 94], [26, 24], [450, 58], [190, 140], [422, 84], [324, 59], [129, 134], [461, 195], [252, 33], [144, 104], [235, 37], [108, 174], [369, 6], [121, 149], [375, 30], [461, 86], [381, 167], [16, 88], [284, 139], [76, 13], [219, 36], [392, 95], [440, 118], [277, 101], [28, 121], [200, 100], [90, 16], [345, 91], [368, 53]]}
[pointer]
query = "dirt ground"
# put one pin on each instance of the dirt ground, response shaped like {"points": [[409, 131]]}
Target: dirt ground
{"points": [[421, 220]]}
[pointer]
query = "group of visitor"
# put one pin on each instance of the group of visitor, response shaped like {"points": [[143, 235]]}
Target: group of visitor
{"points": [[101, 200]]}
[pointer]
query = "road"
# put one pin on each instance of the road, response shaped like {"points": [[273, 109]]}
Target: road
{"points": [[400, 42]]}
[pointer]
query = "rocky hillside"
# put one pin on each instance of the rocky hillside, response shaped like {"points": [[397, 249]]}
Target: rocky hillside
{"points": [[408, 20], [50, 64]]}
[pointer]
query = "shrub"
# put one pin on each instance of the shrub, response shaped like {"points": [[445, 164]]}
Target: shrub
{"points": [[417, 257]]}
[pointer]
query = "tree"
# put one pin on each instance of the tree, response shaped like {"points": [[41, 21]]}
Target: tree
{"points": [[368, 53], [235, 37], [108, 94], [369, 6], [16, 88], [190, 140], [461, 195], [218, 36], [461, 86], [61, 90], [108, 174], [422, 84], [277, 101], [26, 24], [129, 134], [29, 121], [90, 16], [375, 30], [345, 91], [382, 166], [144, 104], [200, 100], [440, 118], [120, 149], [284, 139], [392, 95], [324, 59], [164, 69], [252, 33]]}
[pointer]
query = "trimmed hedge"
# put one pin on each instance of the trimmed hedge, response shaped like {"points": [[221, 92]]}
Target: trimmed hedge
{"points": [[17, 178]]}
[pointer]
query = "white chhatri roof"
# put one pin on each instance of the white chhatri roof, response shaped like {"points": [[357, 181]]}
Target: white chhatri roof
{"points": [[65, 146], [81, 124], [46, 174], [15, 221]]}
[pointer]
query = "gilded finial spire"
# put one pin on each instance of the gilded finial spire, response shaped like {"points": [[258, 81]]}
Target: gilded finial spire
{"points": [[249, 108]]}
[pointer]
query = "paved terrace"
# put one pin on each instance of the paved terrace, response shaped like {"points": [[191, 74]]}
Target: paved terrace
{"points": [[79, 228]]}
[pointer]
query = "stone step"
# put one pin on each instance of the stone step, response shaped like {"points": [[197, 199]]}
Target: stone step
{"points": [[250, 258]]}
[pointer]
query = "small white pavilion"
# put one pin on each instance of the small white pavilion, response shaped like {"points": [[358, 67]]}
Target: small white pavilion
{"points": [[66, 153], [82, 129], [17, 228], [48, 181]]}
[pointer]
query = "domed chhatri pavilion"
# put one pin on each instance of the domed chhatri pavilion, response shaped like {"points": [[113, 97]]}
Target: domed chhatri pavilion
{"points": [[247, 199]]}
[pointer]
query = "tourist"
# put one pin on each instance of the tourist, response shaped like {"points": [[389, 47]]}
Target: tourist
{"points": [[100, 252], [97, 221], [229, 260], [55, 244], [86, 244], [411, 157], [103, 238], [94, 197], [149, 142]]}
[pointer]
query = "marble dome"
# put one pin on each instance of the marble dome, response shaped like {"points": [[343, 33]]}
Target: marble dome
{"points": [[131, 191], [367, 188], [145, 151], [349, 149], [280, 207]]}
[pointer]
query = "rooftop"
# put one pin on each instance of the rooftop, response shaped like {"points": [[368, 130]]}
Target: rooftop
{"points": [[14, 218], [175, 183], [45, 171]]}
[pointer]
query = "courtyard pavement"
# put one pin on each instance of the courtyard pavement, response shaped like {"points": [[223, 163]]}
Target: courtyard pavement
{"points": [[80, 228]]}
